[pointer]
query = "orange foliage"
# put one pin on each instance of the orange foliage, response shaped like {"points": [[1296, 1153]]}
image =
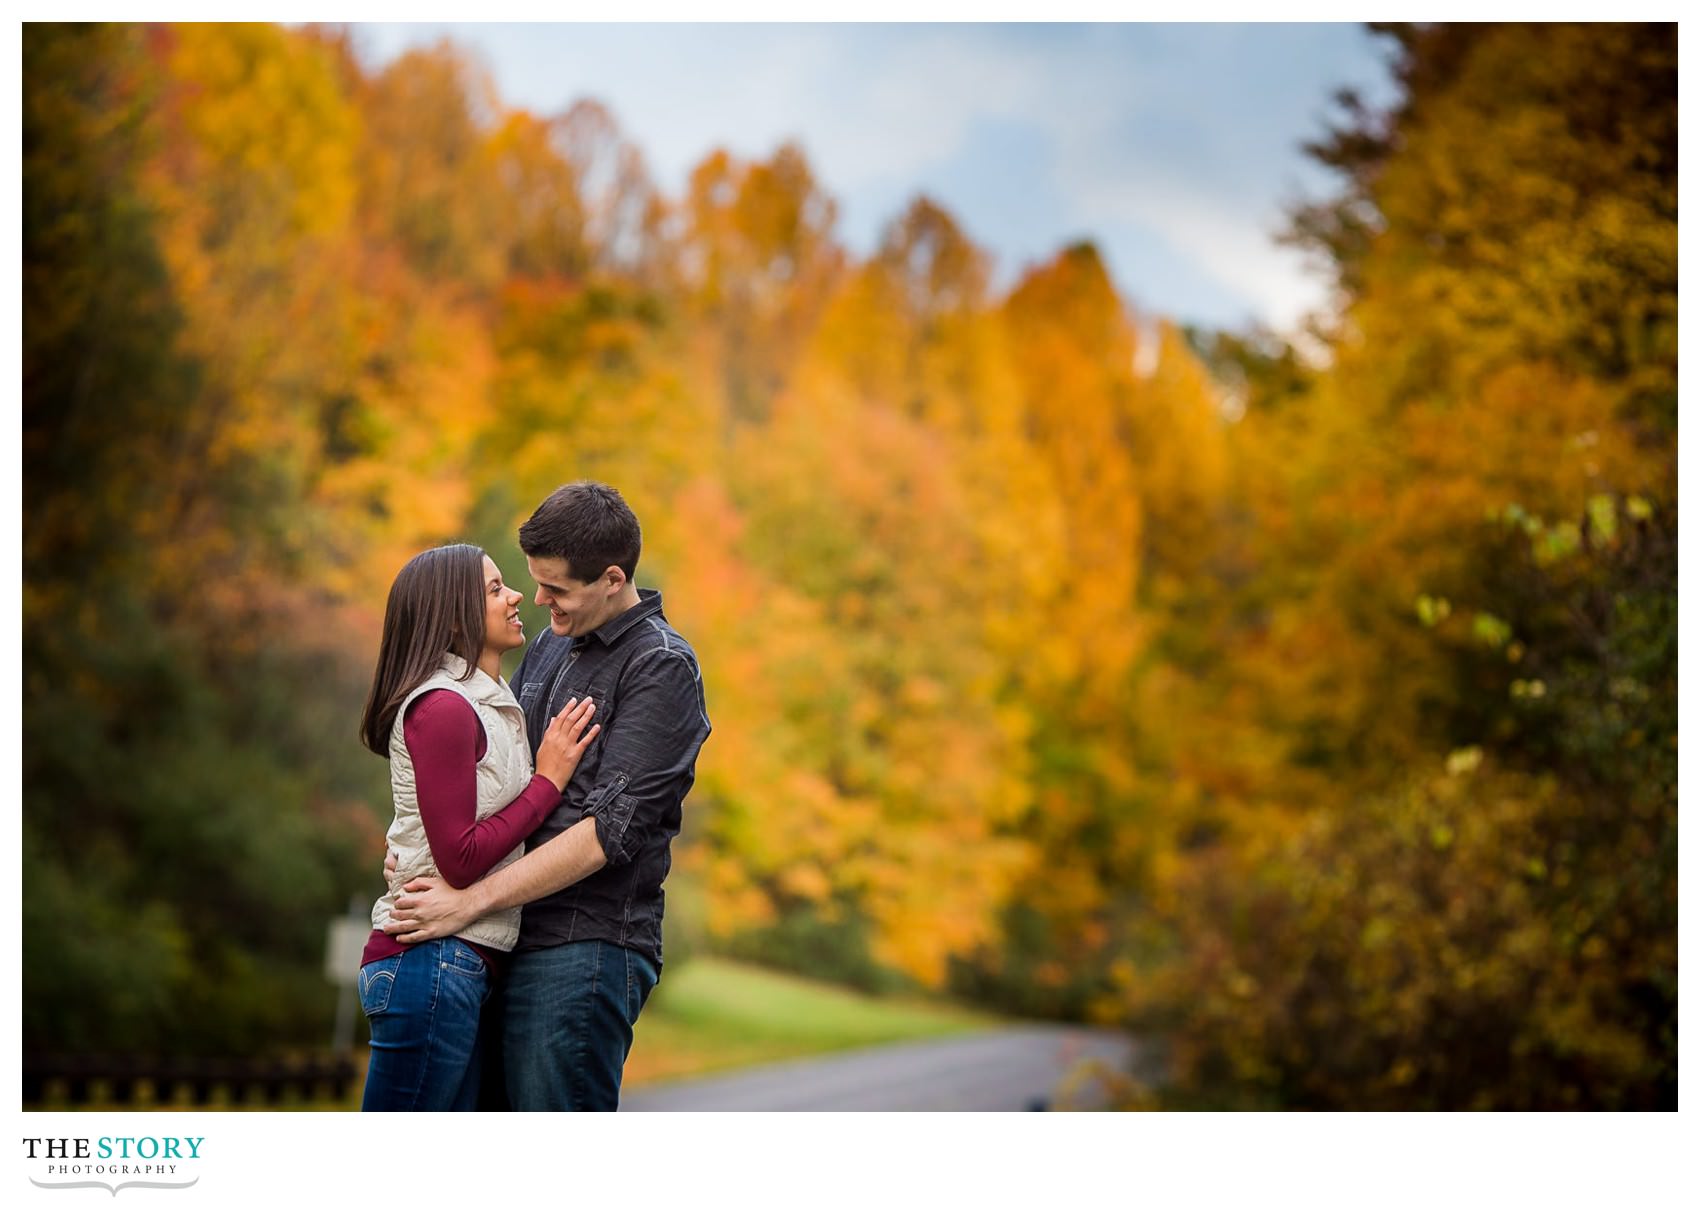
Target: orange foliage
{"points": [[1016, 632]]}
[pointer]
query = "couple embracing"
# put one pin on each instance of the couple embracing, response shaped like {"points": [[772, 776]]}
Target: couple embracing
{"points": [[521, 933]]}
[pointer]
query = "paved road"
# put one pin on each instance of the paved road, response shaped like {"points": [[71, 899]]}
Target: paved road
{"points": [[1006, 1070]]}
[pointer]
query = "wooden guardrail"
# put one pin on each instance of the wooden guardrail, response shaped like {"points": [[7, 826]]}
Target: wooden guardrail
{"points": [[79, 1081]]}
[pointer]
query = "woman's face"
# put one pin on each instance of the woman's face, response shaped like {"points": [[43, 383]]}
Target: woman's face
{"points": [[502, 628]]}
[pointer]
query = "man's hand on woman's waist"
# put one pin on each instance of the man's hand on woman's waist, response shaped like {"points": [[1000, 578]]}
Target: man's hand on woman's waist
{"points": [[431, 908]]}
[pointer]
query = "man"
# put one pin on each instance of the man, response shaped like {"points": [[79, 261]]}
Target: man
{"points": [[589, 949]]}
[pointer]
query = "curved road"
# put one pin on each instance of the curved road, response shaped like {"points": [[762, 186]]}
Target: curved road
{"points": [[1007, 1070]]}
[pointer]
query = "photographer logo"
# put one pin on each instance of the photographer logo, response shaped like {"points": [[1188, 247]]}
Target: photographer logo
{"points": [[113, 1163]]}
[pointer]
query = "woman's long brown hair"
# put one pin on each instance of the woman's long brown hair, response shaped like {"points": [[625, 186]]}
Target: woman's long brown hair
{"points": [[436, 606]]}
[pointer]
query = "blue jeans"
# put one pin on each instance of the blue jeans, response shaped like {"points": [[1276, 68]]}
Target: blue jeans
{"points": [[423, 1006], [567, 1024]]}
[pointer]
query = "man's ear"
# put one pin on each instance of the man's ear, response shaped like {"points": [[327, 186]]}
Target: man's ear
{"points": [[616, 577]]}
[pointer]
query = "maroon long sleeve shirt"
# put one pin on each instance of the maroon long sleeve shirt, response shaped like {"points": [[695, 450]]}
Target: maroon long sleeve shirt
{"points": [[446, 741]]}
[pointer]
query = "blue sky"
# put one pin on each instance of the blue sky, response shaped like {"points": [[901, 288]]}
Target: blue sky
{"points": [[1174, 147]]}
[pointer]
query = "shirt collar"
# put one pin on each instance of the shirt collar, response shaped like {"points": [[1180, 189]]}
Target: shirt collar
{"points": [[649, 603]]}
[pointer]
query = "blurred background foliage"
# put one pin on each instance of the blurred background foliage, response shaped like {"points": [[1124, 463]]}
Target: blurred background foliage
{"points": [[1312, 715]]}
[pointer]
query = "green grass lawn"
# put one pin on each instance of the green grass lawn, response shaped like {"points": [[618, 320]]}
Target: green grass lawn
{"points": [[712, 1014]]}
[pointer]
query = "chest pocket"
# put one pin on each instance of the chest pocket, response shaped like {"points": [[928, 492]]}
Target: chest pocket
{"points": [[528, 694], [576, 683], [590, 766], [597, 690]]}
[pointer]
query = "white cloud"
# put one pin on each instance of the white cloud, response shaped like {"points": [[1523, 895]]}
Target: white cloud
{"points": [[870, 103], [921, 98], [1235, 245], [1177, 131]]}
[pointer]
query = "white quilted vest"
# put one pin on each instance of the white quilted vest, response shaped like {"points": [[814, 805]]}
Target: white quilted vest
{"points": [[503, 774]]}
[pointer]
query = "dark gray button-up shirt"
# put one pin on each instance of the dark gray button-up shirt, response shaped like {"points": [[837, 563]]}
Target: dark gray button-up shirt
{"points": [[632, 780]]}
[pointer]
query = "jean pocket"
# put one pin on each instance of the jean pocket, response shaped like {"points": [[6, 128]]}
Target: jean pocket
{"points": [[641, 979], [377, 983], [463, 958]]}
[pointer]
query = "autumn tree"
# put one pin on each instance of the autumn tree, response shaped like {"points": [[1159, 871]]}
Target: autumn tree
{"points": [[758, 259], [179, 775], [1469, 607]]}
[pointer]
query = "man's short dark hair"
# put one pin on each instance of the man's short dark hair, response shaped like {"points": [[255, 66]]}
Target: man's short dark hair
{"points": [[589, 525]]}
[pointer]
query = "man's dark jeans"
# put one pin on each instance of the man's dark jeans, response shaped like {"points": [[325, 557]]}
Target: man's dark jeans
{"points": [[567, 1014]]}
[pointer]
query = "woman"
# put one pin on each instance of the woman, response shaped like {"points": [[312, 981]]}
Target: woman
{"points": [[465, 797]]}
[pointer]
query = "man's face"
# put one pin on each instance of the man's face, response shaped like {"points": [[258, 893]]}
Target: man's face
{"points": [[576, 608]]}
